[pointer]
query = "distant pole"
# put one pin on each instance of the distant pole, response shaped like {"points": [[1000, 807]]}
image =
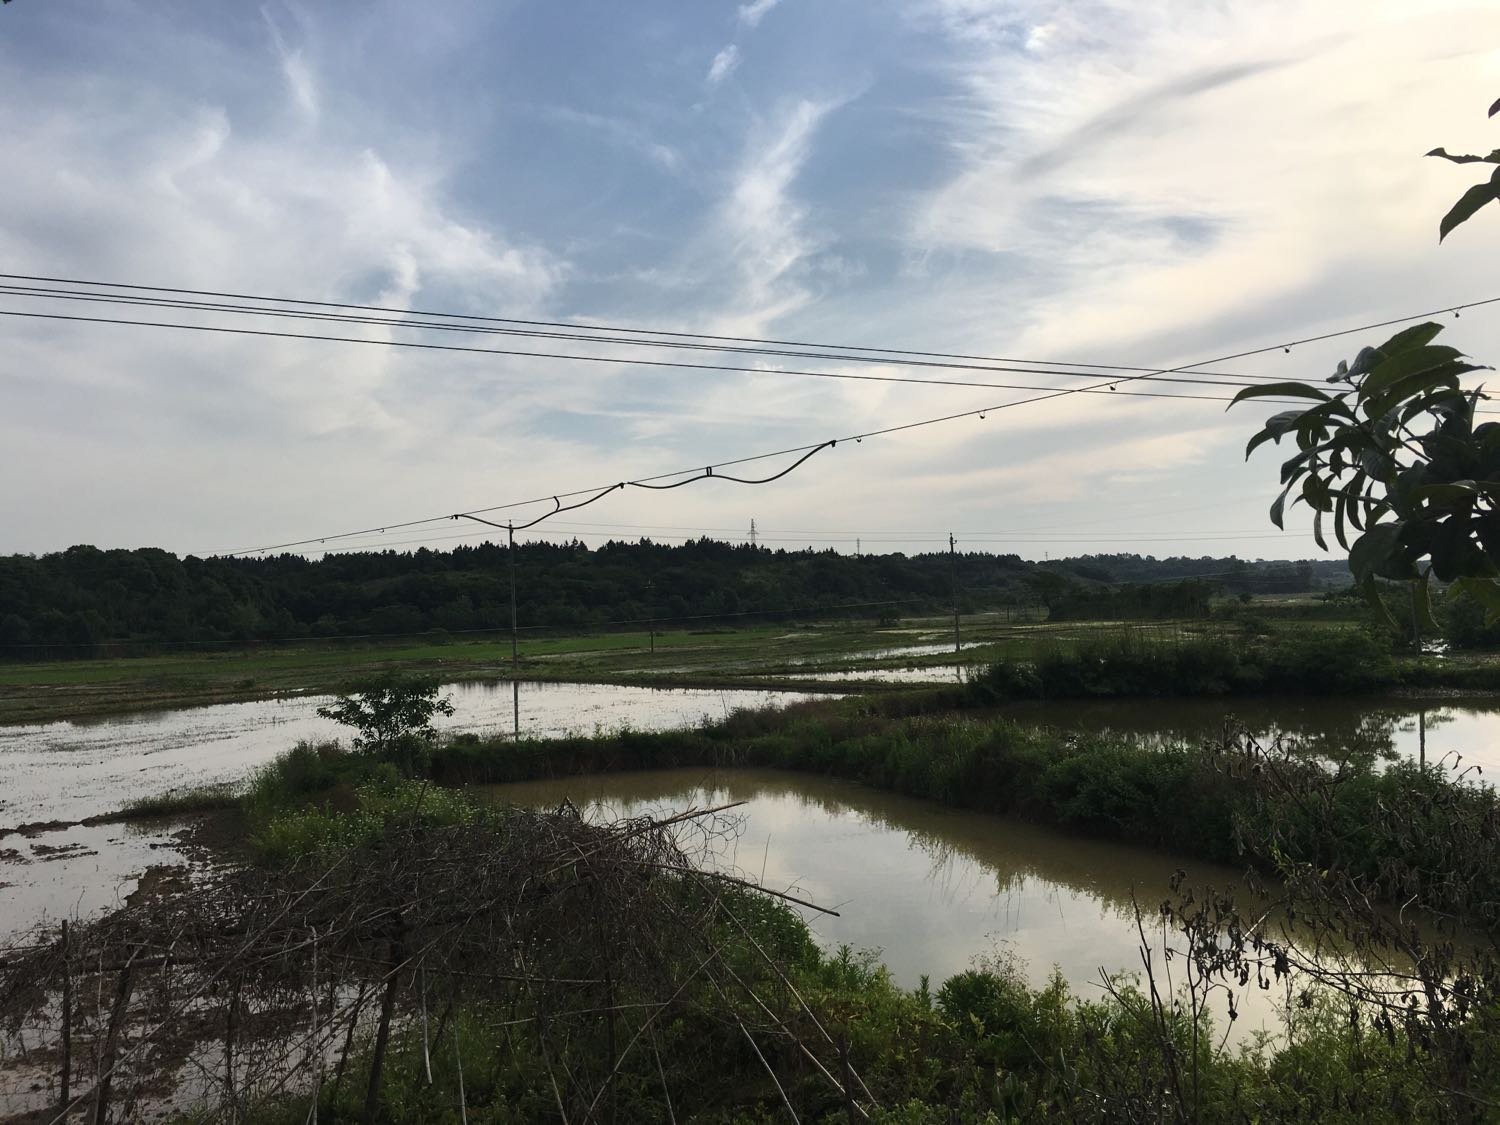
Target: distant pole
{"points": [[953, 573], [857, 551], [1422, 738], [651, 609], [752, 532]]}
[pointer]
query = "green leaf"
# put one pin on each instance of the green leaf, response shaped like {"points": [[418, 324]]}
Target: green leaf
{"points": [[1404, 363], [1446, 493], [1416, 336], [1340, 507], [1280, 390], [1369, 357], [1373, 551], [1492, 158], [1315, 492], [1278, 508], [1468, 203], [1427, 390]]}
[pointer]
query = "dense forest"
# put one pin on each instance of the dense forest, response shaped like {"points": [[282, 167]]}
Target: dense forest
{"points": [[79, 601]]}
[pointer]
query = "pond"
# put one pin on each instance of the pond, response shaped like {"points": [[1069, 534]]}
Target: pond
{"points": [[71, 770], [1459, 734], [928, 886]]}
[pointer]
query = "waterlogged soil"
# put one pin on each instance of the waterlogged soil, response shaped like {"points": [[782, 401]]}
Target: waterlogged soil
{"points": [[931, 889], [83, 871], [67, 771]]}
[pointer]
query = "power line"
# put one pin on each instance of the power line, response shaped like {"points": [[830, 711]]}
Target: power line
{"points": [[629, 361], [998, 365], [583, 327], [979, 413], [1013, 366]]}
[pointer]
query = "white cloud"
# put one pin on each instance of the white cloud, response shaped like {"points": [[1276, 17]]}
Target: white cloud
{"points": [[625, 133], [1154, 189], [724, 65], [752, 13], [763, 219], [296, 70]]}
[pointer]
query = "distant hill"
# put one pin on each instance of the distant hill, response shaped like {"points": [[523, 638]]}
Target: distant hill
{"points": [[75, 602]]}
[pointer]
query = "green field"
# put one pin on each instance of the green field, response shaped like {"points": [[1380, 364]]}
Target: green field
{"points": [[758, 656]]}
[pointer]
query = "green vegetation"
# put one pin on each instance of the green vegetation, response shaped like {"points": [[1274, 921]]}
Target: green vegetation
{"points": [[1192, 800], [87, 603], [984, 1045], [177, 802], [1301, 662]]}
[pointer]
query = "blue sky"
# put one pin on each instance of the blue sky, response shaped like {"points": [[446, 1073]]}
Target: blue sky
{"points": [[1090, 181]]}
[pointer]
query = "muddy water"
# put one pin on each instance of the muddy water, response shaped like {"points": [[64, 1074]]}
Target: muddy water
{"points": [[71, 770], [1458, 734], [929, 887], [78, 872]]}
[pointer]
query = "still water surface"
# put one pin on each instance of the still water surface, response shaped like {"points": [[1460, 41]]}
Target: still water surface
{"points": [[930, 887], [1456, 733]]}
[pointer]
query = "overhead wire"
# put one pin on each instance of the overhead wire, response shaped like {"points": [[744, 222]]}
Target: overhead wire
{"points": [[980, 413], [584, 327], [632, 361], [1042, 368], [1111, 385]]}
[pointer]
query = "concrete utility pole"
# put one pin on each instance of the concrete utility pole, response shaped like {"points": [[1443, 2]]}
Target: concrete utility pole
{"points": [[953, 574], [515, 652]]}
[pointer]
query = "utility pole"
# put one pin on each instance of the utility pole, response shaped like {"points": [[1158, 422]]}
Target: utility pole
{"points": [[953, 574], [651, 609], [515, 652], [857, 552], [752, 532]]}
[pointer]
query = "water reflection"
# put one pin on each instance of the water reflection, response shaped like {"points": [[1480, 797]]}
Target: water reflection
{"points": [[1459, 734], [929, 886]]}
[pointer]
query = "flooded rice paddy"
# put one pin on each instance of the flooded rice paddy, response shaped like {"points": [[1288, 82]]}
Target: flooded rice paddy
{"points": [[77, 769]]}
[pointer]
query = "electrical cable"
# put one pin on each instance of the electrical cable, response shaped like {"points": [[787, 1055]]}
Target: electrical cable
{"points": [[1052, 368], [630, 361], [980, 413], [594, 328], [1011, 366]]}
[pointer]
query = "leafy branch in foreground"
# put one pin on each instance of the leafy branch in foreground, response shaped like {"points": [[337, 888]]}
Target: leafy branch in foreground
{"points": [[1478, 195], [1396, 456]]}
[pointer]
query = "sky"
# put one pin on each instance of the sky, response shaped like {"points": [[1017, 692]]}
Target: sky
{"points": [[1139, 182]]}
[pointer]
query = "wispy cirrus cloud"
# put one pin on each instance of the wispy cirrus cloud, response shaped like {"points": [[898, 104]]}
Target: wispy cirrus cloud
{"points": [[724, 65], [752, 13]]}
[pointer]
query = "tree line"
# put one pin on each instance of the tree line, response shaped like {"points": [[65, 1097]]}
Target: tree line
{"points": [[79, 601]]}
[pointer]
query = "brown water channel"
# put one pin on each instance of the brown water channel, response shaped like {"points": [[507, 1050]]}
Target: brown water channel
{"points": [[930, 887]]}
